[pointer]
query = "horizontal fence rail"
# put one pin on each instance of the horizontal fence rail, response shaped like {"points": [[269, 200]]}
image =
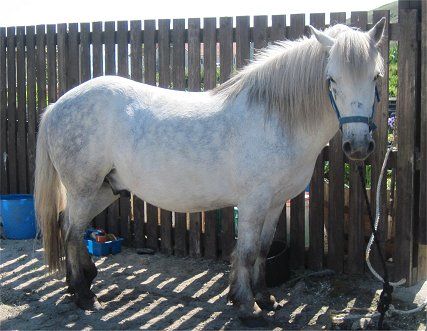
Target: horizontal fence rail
{"points": [[38, 64]]}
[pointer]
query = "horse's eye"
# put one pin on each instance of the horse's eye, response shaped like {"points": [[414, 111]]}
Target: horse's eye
{"points": [[332, 80]]}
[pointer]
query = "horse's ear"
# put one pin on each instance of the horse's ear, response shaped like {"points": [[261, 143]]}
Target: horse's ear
{"points": [[377, 32], [321, 37]]}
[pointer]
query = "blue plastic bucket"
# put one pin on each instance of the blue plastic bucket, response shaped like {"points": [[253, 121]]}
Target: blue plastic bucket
{"points": [[17, 215]]}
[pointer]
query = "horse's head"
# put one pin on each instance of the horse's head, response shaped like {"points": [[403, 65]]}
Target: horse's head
{"points": [[354, 64]]}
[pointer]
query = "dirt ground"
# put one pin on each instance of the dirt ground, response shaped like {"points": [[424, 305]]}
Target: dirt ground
{"points": [[160, 292]]}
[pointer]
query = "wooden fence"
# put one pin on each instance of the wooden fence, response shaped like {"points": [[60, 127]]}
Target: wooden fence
{"points": [[40, 63]]}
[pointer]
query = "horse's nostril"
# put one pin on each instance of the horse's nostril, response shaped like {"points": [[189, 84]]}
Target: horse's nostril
{"points": [[346, 147], [371, 146]]}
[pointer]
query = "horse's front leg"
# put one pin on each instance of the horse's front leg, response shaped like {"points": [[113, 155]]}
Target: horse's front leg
{"points": [[244, 256], [262, 295]]}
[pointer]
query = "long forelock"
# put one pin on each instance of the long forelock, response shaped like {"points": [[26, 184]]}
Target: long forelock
{"points": [[354, 52]]}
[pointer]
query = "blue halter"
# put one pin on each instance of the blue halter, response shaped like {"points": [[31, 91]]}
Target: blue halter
{"points": [[354, 119]]}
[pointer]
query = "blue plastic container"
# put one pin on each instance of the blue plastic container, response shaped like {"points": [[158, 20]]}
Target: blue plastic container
{"points": [[18, 216], [102, 249]]}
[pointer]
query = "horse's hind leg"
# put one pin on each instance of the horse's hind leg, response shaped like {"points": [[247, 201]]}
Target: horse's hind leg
{"points": [[262, 296], [81, 270]]}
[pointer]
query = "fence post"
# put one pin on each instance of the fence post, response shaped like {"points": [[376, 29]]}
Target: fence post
{"points": [[406, 124], [422, 230]]}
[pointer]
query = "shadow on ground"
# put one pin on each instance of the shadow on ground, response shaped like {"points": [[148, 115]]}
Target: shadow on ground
{"points": [[160, 292]]}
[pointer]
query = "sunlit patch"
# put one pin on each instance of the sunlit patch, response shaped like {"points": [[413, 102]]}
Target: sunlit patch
{"points": [[14, 279], [8, 263], [37, 316], [143, 312], [189, 281], [31, 281], [100, 261], [316, 316], [164, 283], [184, 318], [121, 295], [18, 269], [70, 325], [163, 315], [202, 325], [150, 279], [108, 267], [52, 294], [219, 296], [296, 312], [208, 285], [125, 307], [106, 290]]}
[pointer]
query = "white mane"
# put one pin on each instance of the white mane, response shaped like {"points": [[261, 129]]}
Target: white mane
{"points": [[289, 77]]}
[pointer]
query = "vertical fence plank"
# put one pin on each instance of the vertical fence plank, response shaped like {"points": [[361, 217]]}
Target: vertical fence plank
{"points": [[278, 24], [178, 53], [31, 103], [380, 136], [21, 134], [211, 243], [260, 31], [123, 71], [209, 45], [136, 75], [113, 213], [97, 70], [195, 242], [110, 48], [136, 50], [51, 63], [41, 69], [62, 58], [122, 49], [97, 53], [297, 226], [335, 229], [209, 79], [193, 53], [4, 186], [356, 204], [149, 52], [180, 234], [152, 227], [73, 58], [150, 78], [85, 71], [11, 111], [316, 210], [166, 244], [406, 107], [139, 216], [226, 66], [242, 41], [422, 231], [164, 53]]}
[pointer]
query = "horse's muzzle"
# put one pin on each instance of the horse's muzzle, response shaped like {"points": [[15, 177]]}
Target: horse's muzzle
{"points": [[358, 150]]}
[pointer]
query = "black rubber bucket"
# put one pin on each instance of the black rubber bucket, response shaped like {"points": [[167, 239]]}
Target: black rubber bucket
{"points": [[277, 265]]}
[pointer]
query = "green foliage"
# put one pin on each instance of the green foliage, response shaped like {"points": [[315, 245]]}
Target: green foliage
{"points": [[392, 81]]}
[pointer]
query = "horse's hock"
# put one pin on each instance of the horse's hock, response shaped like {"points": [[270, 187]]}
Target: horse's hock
{"points": [[39, 64]]}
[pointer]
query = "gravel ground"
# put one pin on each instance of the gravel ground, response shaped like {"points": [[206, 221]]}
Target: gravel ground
{"points": [[160, 292]]}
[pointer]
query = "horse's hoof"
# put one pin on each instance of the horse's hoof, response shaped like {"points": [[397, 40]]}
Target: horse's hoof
{"points": [[254, 321], [268, 303], [71, 290], [86, 303]]}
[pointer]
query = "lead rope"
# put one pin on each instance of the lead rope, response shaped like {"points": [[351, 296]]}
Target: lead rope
{"points": [[384, 305]]}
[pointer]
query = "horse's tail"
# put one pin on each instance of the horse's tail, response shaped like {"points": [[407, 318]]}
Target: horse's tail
{"points": [[49, 196]]}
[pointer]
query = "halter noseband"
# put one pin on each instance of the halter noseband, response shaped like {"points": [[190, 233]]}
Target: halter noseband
{"points": [[354, 119]]}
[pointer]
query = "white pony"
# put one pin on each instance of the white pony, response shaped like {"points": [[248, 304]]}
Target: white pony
{"points": [[251, 142]]}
